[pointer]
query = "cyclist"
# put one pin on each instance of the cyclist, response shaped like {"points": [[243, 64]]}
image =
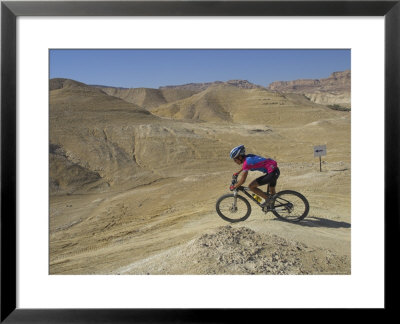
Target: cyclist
{"points": [[253, 162]]}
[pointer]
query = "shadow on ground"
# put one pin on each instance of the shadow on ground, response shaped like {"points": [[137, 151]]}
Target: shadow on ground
{"points": [[312, 221]]}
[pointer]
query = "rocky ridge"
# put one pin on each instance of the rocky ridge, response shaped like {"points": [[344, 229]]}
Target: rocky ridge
{"points": [[333, 91], [197, 87], [335, 82], [150, 98]]}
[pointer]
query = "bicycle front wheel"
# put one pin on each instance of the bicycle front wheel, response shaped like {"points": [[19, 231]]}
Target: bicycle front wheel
{"points": [[233, 209], [290, 206]]}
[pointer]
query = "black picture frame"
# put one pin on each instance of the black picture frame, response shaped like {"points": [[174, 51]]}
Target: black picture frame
{"points": [[10, 10]]}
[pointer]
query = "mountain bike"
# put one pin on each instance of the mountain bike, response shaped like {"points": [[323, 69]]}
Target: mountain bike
{"points": [[287, 205]]}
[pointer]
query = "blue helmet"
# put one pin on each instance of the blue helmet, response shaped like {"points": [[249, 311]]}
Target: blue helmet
{"points": [[237, 151]]}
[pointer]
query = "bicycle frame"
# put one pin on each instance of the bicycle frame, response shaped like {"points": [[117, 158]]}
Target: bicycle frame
{"points": [[246, 190]]}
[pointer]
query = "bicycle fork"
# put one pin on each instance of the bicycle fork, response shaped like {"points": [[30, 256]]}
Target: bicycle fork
{"points": [[233, 208]]}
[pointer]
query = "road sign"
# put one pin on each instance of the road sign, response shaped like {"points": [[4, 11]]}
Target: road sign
{"points": [[320, 150]]}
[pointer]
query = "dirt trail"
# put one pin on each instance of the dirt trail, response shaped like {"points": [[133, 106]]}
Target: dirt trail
{"points": [[116, 238]]}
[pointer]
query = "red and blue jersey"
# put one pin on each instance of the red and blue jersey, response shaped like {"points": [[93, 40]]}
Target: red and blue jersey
{"points": [[259, 163]]}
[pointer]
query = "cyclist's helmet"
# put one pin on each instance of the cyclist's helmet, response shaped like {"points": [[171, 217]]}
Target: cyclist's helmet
{"points": [[237, 151]]}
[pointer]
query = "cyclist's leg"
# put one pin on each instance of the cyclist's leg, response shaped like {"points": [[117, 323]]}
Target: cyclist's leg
{"points": [[253, 186], [269, 179], [272, 184], [260, 181]]}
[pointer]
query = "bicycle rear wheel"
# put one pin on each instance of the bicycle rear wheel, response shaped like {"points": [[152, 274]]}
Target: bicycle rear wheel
{"points": [[233, 209], [290, 206]]}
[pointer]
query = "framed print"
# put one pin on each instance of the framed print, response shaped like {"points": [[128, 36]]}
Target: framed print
{"points": [[49, 272]]}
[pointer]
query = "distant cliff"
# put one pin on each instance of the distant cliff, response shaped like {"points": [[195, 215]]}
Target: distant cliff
{"points": [[334, 90], [151, 98], [197, 87]]}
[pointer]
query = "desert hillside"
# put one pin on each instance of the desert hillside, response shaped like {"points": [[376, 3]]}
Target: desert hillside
{"points": [[134, 181], [150, 98], [225, 103], [333, 91], [143, 97]]}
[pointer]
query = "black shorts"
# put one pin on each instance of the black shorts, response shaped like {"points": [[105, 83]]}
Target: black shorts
{"points": [[269, 178]]}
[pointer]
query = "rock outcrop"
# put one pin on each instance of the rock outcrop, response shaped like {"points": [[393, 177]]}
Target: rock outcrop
{"points": [[151, 98], [334, 91], [198, 87]]}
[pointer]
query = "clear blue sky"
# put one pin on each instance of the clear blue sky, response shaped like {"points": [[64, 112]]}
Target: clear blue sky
{"points": [[155, 68]]}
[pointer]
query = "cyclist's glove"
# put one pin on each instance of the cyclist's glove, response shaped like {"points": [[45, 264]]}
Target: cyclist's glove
{"points": [[232, 187]]}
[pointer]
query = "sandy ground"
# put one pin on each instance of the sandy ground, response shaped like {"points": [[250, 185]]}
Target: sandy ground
{"points": [[109, 233]]}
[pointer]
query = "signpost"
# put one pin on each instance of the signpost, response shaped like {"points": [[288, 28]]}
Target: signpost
{"points": [[320, 150]]}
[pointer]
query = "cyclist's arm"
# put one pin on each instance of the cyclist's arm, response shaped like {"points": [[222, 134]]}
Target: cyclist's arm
{"points": [[242, 179], [237, 173]]}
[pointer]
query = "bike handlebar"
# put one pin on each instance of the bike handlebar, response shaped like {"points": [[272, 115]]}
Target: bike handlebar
{"points": [[234, 181]]}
